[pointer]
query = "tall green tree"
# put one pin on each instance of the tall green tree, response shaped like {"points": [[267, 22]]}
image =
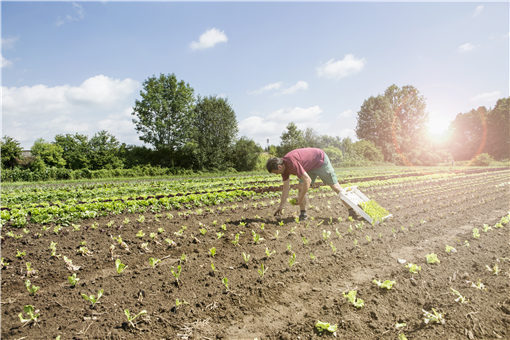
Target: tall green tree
{"points": [[468, 134], [395, 121], [164, 115], [76, 150], [215, 131], [104, 151], [50, 154], [245, 154], [498, 126], [11, 151], [292, 138]]}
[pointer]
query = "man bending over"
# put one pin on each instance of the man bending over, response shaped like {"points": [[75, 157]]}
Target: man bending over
{"points": [[306, 164]]}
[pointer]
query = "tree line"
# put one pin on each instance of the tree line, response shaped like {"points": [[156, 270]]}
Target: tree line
{"points": [[184, 131]]}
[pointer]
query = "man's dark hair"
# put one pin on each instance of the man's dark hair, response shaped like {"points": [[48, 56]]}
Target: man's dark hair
{"points": [[272, 163]]}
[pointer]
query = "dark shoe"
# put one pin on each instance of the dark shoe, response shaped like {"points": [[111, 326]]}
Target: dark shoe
{"points": [[302, 216]]}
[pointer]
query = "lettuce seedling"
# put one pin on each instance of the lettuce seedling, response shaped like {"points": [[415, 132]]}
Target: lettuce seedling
{"points": [[351, 297], [176, 273], [413, 268], [450, 249], [388, 284], [203, 231], [119, 266], [225, 283], [269, 253], [432, 317], [31, 288], [256, 237], [326, 234], [293, 201], [32, 314], [246, 258], [20, 254], [212, 251], [235, 242], [495, 269], [262, 270], [73, 280], [219, 235], [432, 258], [476, 233], [292, 259], [91, 298], [459, 298], [325, 326], [132, 318], [69, 264], [153, 261], [53, 248], [140, 233]]}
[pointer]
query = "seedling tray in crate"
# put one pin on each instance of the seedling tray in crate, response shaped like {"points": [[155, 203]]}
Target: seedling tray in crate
{"points": [[353, 197]]}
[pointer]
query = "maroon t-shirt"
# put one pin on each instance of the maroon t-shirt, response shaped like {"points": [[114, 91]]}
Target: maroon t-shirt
{"points": [[299, 161]]}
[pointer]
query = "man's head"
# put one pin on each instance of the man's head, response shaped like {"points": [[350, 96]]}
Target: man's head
{"points": [[275, 165]]}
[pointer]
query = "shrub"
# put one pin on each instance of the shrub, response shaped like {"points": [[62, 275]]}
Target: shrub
{"points": [[482, 159]]}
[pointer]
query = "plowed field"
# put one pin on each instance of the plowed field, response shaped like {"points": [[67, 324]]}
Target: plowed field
{"points": [[308, 266]]}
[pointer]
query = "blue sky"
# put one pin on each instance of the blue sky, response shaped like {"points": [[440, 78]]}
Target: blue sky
{"points": [[79, 66]]}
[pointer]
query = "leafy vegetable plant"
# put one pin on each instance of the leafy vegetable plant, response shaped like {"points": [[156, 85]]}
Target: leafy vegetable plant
{"points": [[351, 297], [413, 268], [132, 318], [433, 317], [119, 266], [322, 327], [388, 284], [93, 299], [432, 258], [31, 288], [32, 314]]}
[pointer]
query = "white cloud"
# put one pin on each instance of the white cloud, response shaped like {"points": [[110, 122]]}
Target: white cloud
{"points": [[478, 10], [8, 43], [4, 62], [40, 111], [487, 97], [347, 114], [259, 127], [267, 88], [300, 85], [77, 15], [208, 39], [274, 87], [337, 69], [466, 47]]}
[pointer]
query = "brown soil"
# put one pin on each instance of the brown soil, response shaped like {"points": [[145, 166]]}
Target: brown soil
{"points": [[288, 301]]}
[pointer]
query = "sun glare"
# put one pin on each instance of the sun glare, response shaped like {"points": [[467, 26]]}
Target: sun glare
{"points": [[437, 126]]}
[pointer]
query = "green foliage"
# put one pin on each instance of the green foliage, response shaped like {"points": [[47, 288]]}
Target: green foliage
{"points": [[388, 284], [432, 258], [91, 298], [351, 297], [374, 210], [51, 154], [292, 138], [321, 327], [164, 115], [413, 268], [394, 121], [73, 280], [120, 267], [215, 130], [76, 150], [10, 151], [32, 314], [132, 318], [483, 159]]}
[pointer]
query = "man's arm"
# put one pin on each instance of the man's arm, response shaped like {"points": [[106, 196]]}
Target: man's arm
{"points": [[285, 194]]}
